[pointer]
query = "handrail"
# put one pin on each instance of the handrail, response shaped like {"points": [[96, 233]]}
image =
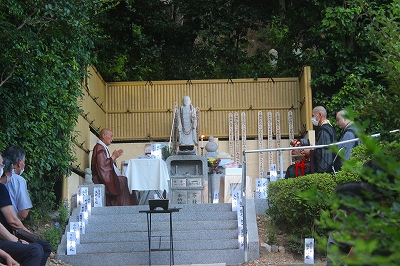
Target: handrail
{"points": [[281, 173]]}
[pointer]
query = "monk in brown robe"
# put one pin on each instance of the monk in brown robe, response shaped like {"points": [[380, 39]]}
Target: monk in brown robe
{"points": [[104, 171]]}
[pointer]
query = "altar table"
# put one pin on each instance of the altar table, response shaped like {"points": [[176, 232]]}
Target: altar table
{"points": [[147, 174]]}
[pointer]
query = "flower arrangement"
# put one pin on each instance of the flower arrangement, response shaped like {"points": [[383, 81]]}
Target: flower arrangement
{"points": [[213, 164]]}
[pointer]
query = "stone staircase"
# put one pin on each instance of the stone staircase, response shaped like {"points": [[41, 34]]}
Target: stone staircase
{"points": [[203, 234]]}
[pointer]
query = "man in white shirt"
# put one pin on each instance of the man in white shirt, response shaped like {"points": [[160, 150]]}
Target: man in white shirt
{"points": [[14, 160]]}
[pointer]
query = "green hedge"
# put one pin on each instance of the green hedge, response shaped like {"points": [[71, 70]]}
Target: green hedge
{"points": [[295, 205]]}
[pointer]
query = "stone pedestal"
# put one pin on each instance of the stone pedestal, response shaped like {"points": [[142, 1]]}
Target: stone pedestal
{"points": [[233, 181], [188, 179]]}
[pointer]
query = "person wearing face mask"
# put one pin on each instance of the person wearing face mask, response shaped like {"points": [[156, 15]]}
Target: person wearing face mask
{"points": [[23, 252], [325, 134], [14, 161]]}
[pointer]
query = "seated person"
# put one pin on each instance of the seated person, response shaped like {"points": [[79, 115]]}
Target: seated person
{"points": [[303, 166], [11, 248], [10, 220], [14, 161], [14, 251], [7, 259], [104, 171]]}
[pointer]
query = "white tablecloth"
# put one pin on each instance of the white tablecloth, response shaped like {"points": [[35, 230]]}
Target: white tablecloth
{"points": [[147, 174]]}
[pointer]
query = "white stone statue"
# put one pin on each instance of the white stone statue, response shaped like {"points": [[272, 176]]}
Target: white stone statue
{"points": [[211, 148], [187, 123], [88, 176], [273, 57]]}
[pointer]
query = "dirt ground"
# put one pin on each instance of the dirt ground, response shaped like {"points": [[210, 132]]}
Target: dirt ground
{"points": [[276, 258]]}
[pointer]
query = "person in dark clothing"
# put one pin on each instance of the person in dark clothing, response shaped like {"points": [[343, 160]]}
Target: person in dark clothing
{"points": [[303, 166], [325, 134], [10, 220], [24, 253], [349, 132], [13, 249]]}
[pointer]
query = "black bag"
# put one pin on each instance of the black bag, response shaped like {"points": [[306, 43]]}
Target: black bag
{"points": [[25, 235], [292, 173]]}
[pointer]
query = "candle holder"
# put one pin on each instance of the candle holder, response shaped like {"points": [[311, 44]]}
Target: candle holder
{"points": [[202, 143]]}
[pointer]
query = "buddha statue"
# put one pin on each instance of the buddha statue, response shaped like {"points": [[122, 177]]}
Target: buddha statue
{"points": [[187, 123]]}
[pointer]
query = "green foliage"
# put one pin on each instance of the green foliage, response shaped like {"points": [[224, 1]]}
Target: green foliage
{"points": [[271, 233], [374, 235], [165, 152], [333, 37], [46, 48], [304, 206], [358, 157], [292, 206], [54, 233], [183, 39], [384, 32], [295, 204], [372, 88]]}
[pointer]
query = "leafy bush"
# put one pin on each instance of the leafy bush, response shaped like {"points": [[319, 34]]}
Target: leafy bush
{"points": [[296, 204], [374, 235], [305, 206], [293, 209], [54, 233], [40, 94]]}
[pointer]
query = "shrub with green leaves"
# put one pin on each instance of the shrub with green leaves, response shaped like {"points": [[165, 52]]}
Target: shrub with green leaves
{"points": [[45, 49], [374, 235], [54, 233], [294, 204]]}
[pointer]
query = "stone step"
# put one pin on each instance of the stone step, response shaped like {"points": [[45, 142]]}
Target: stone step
{"points": [[179, 235], [187, 207], [141, 217], [136, 246], [230, 257], [202, 233], [177, 225]]}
